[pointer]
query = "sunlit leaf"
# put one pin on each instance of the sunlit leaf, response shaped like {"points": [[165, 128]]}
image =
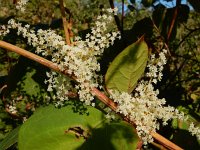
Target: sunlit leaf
{"points": [[125, 70], [50, 128], [113, 136]]}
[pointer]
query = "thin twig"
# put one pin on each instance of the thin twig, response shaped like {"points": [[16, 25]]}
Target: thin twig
{"points": [[173, 19], [65, 23], [102, 97], [34, 57], [161, 37], [122, 18], [165, 141], [185, 37]]}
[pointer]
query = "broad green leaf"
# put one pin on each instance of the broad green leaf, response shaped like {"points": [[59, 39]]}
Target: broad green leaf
{"points": [[50, 128], [10, 139], [47, 128], [113, 136], [125, 70]]}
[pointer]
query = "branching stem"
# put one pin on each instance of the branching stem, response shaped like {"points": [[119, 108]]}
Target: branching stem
{"points": [[178, 2], [101, 96], [65, 23]]}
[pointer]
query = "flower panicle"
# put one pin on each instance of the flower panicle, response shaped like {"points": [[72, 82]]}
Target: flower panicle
{"points": [[143, 107], [21, 4], [79, 59]]}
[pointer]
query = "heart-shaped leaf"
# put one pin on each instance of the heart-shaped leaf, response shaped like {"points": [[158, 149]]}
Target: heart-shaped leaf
{"points": [[50, 128], [125, 70]]}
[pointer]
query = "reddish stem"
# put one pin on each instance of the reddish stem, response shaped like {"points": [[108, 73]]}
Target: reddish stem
{"points": [[102, 97], [65, 23]]}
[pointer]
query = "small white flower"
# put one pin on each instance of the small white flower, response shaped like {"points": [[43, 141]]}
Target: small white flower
{"points": [[12, 109], [194, 130], [21, 5]]}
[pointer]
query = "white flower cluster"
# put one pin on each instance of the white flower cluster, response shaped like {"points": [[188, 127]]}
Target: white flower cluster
{"points": [[144, 107], [21, 5], [12, 109], [194, 130], [79, 60], [4, 30], [155, 66], [11, 106]]}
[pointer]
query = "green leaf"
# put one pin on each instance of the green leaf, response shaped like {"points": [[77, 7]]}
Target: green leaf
{"points": [[10, 139], [195, 4], [125, 70], [113, 136], [50, 128]]}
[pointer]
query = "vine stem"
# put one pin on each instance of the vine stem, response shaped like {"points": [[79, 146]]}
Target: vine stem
{"points": [[65, 22], [178, 2], [101, 96]]}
